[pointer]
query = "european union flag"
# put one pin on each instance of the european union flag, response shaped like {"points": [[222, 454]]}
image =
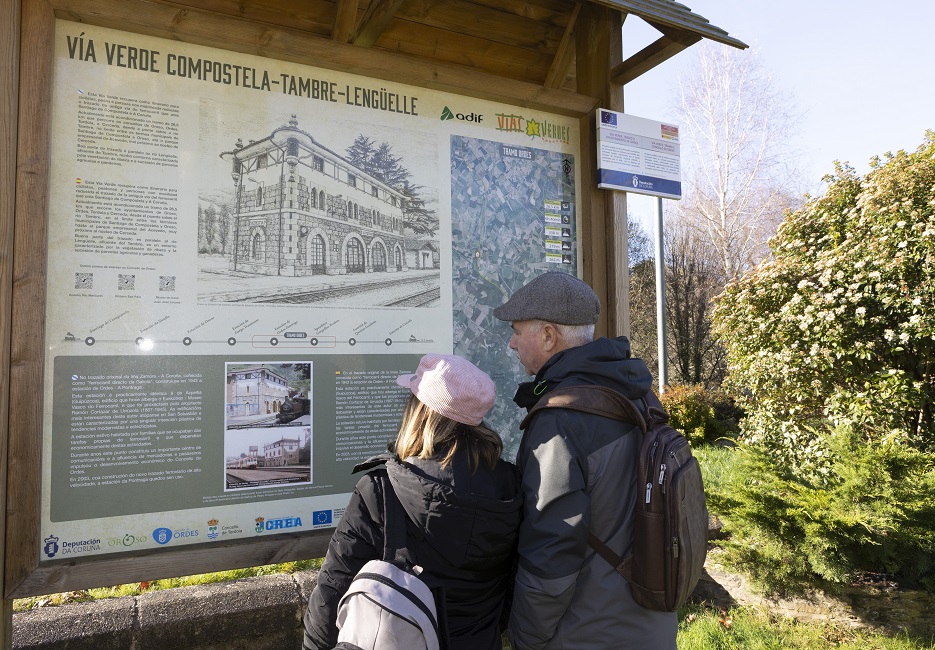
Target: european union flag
{"points": [[609, 118], [321, 517]]}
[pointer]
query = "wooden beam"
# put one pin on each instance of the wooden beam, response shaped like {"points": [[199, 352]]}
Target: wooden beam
{"points": [[28, 300], [231, 33], [375, 20], [651, 56], [501, 26], [84, 573], [448, 47], [344, 20], [565, 53], [311, 16], [599, 43], [9, 89]]}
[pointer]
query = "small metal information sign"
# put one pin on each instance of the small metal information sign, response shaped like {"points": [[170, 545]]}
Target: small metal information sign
{"points": [[638, 155]]}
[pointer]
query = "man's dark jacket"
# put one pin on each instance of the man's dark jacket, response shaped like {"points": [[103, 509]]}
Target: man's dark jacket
{"points": [[461, 528], [579, 475]]}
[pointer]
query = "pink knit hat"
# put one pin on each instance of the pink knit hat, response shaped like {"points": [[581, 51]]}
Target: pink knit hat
{"points": [[452, 386]]}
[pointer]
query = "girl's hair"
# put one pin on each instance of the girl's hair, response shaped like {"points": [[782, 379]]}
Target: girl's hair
{"points": [[426, 434]]}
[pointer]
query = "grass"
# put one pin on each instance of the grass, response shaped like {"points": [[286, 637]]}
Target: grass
{"points": [[742, 628], [137, 588]]}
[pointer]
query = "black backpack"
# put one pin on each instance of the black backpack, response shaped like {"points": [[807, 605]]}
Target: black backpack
{"points": [[670, 537]]}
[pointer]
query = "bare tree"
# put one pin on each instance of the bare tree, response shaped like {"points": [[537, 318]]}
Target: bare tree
{"points": [[642, 295], [736, 157], [693, 279]]}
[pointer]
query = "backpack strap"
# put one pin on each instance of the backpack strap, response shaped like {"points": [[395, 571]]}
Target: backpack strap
{"points": [[590, 398], [606, 402], [623, 566], [394, 541], [394, 523]]}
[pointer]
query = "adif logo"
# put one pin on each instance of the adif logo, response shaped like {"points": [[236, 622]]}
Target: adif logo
{"points": [[477, 118], [51, 546]]}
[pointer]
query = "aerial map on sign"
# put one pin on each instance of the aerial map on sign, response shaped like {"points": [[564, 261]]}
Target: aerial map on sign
{"points": [[513, 218]]}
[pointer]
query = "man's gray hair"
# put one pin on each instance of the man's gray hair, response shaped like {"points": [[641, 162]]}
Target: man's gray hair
{"points": [[572, 335], [576, 335]]}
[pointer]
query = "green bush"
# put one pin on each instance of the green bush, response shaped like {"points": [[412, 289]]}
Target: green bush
{"points": [[872, 511], [704, 416], [832, 341]]}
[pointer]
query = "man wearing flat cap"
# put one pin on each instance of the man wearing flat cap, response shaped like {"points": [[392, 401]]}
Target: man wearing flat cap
{"points": [[579, 476]]}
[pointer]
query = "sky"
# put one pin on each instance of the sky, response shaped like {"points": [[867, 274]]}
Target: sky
{"points": [[860, 73]]}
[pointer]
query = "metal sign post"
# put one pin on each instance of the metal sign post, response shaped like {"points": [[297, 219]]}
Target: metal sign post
{"points": [[661, 301]]}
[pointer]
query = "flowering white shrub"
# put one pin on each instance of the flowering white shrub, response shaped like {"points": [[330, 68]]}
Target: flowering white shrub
{"points": [[837, 327]]}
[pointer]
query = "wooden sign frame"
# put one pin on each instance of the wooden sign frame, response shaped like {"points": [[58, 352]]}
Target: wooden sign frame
{"points": [[28, 58]]}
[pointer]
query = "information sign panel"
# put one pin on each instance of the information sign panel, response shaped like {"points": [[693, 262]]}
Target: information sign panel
{"points": [[637, 155], [243, 255]]}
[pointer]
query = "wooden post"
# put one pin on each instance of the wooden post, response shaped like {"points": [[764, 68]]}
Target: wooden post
{"points": [[28, 296], [9, 91], [599, 47]]}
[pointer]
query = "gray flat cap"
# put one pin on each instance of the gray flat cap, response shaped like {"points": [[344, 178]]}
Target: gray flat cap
{"points": [[554, 297]]}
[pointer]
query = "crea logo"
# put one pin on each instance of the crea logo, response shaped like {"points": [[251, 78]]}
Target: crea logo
{"points": [[51, 546], [162, 535], [281, 523]]}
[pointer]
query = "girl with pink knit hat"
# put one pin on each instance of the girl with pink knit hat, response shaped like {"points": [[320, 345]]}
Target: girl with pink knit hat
{"points": [[462, 506]]}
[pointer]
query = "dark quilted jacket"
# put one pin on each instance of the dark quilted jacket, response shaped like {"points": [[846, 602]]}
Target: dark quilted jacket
{"points": [[461, 529]]}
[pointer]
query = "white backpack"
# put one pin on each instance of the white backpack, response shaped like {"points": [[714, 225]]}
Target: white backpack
{"points": [[388, 606]]}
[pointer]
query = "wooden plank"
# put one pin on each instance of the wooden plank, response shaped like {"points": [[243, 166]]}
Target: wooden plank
{"points": [[344, 20], [375, 20], [315, 17], [9, 88], [69, 575], [27, 345], [464, 17], [225, 32], [564, 54], [650, 56], [554, 12], [598, 44], [440, 45]]}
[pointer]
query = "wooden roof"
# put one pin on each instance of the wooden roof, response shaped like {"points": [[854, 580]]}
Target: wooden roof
{"points": [[472, 46], [526, 40]]}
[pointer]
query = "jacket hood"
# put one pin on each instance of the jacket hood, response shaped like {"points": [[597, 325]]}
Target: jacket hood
{"points": [[467, 529], [605, 362]]}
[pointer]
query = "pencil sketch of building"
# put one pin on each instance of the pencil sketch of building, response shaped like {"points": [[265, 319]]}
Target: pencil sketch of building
{"points": [[301, 210]]}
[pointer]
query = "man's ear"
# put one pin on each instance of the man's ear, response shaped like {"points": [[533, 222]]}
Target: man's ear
{"points": [[550, 337]]}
